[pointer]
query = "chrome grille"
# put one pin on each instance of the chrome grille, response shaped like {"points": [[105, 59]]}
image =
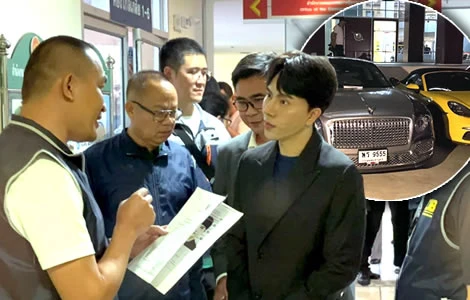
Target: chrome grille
{"points": [[423, 151], [370, 133]]}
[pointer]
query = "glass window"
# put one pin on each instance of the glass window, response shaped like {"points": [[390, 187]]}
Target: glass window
{"points": [[109, 45], [357, 73], [101, 4], [352, 12], [150, 57], [466, 51], [430, 32], [448, 81], [165, 15], [156, 14], [385, 34]]}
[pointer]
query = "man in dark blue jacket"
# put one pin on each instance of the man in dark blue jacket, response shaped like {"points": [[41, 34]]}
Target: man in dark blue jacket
{"points": [[142, 156]]}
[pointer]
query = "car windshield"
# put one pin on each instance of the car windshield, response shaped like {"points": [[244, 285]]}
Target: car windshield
{"points": [[358, 74], [448, 81]]}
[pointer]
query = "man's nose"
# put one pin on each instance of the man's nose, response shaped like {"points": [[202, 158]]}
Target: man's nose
{"points": [[200, 79]]}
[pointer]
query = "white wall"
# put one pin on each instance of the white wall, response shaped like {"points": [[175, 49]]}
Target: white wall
{"points": [[190, 10], [224, 63], [46, 18]]}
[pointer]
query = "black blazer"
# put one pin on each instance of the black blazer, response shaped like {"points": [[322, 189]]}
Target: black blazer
{"points": [[228, 157], [301, 238]]}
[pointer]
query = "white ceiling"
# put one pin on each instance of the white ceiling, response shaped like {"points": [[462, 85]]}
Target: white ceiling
{"points": [[232, 34]]}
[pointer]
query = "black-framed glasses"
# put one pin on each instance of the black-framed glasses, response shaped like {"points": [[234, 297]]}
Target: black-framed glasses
{"points": [[162, 114], [243, 105]]}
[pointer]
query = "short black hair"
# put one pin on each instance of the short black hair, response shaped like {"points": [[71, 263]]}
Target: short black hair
{"points": [[226, 88], [138, 82], [254, 64], [50, 60], [173, 52], [310, 77], [215, 103], [212, 86]]}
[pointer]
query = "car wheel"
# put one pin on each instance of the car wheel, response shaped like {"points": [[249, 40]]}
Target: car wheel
{"points": [[440, 126]]}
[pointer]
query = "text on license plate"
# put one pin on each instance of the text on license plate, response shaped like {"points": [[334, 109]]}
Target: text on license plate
{"points": [[372, 156]]}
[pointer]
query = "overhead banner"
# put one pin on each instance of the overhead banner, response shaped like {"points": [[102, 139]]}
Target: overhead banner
{"points": [[133, 13], [258, 9], [435, 4], [292, 8], [255, 9]]}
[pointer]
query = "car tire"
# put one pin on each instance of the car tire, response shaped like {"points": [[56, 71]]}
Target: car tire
{"points": [[441, 131]]}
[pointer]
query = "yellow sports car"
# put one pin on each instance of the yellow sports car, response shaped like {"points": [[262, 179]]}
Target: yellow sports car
{"points": [[450, 106]]}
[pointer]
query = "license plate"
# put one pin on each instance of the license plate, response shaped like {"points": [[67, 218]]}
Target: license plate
{"points": [[372, 156]]}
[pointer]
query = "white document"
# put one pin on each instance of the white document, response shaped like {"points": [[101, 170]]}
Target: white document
{"points": [[200, 223]]}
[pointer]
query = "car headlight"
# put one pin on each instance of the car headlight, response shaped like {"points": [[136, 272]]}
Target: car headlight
{"points": [[459, 109], [422, 122]]}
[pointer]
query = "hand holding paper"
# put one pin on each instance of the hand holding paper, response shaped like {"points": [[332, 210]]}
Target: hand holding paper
{"points": [[200, 223]]}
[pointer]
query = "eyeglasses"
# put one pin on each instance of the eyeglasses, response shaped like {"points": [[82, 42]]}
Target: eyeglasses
{"points": [[160, 115], [243, 106], [196, 73]]}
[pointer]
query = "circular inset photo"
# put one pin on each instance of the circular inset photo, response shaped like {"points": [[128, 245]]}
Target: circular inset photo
{"points": [[402, 110]]}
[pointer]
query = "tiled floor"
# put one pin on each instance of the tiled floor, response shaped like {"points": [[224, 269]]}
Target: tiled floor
{"points": [[383, 289]]}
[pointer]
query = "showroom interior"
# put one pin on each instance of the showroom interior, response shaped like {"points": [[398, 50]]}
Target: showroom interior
{"points": [[393, 37]]}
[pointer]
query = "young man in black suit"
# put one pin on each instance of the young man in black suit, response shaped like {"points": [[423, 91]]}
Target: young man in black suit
{"points": [[302, 233]]}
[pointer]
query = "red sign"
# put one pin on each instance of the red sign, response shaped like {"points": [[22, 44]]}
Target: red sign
{"points": [[255, 9], [282, 8], [435, 4]]}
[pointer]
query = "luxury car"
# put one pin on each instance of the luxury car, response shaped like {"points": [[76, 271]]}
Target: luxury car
{"points": [[380, 127], [449, 92], [413, 75]]}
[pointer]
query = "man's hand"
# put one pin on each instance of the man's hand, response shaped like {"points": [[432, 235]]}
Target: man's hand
{"points": [[147, 238], [221, 292], [136, 214]]}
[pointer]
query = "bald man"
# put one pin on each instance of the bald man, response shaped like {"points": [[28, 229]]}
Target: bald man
{"points": [[53, 241], [142, 156]]}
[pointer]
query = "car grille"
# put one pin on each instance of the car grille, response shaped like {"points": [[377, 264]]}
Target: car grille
{"points": [[370, 133], [422, 151]]}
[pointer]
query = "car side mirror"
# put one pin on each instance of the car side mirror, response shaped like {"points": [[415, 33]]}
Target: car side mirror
{"points": [[413, 87], [394, 81]]}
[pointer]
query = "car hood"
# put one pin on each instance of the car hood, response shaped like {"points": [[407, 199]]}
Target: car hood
{"points": [[369, 102], [462, 97]]}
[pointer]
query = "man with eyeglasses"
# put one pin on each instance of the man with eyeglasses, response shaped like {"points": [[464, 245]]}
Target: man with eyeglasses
{"points": [[183, 61], [142, 156], [249, 81]]}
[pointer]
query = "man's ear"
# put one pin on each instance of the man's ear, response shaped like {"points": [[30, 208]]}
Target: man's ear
{"points": [[168, 72], [314, 114], [129, 109], [69, 86]]}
